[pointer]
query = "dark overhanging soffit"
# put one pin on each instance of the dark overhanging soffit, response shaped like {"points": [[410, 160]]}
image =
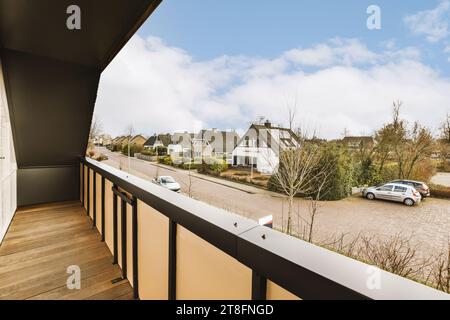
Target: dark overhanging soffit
{"points": [[51, 77]]}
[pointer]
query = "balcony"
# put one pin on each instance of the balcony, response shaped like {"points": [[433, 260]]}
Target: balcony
{"points": [[121, 236], [42, 242], [135, 240]]}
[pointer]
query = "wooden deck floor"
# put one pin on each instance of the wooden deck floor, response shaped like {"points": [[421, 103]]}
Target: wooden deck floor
{"points": [[42, 242]]}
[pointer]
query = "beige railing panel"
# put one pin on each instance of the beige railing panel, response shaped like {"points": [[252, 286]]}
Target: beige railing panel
{"points": [[98, 197], [91, 192], [153, 253], [85, 187], [275, 292], [129, 243], [205, 272], [109, 230]]}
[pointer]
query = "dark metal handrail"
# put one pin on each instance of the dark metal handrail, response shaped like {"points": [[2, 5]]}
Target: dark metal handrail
{"points": [[308, 271]]}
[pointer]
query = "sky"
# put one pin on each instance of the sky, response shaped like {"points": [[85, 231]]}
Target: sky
{"points": [[222, 64]]}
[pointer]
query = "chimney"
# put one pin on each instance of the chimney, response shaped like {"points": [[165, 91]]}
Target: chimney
{"points": [[267, 124]]}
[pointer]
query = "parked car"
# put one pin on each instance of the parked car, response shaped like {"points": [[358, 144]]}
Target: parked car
{"points": [[394, 192], [423, 189], [167, 182]]}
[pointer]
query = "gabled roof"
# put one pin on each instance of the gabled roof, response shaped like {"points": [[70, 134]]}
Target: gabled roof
{"points": [[122, 140], [116, 139], [228, 141], [287, 142], [165, 139], [178, 137], [137, 137], [357, 140]]}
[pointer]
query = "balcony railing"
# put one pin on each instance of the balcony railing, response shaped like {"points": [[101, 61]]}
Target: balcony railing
{"points": [[170, 246]]}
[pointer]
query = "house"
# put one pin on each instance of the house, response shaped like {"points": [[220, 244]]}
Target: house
{"points": [[261, 145], [116, 139], [181, 144], [358, 142], [218, 144], [123, 140], [103, 140], [158, 140], [138, 140]]}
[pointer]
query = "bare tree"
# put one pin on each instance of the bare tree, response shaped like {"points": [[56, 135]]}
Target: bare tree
{"points": [[407, 144], [129, 132], [298, 171], [445, 129], [189, 184], [94, 132], [292, 112], [441, 271], [315, 204], [396, 254], [345, 132]]}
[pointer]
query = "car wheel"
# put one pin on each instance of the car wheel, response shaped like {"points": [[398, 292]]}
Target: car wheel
{"points": [[370, 196], [409, 202]]}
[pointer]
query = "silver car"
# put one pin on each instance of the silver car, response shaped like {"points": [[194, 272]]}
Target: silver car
{"points": [[394, 192], [168, 182]]}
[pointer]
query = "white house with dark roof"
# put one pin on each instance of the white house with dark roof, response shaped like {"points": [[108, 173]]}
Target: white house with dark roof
{"points": [[261, 145]]}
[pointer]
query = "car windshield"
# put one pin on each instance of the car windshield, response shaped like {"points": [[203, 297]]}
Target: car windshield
{"points": [[167, 180]]}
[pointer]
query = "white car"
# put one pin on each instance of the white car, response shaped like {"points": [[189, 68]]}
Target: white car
{"points": [[394, 192], [168, 182]]}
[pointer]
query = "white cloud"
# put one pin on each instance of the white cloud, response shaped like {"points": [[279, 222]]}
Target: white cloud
{"points": [[339, 84], [431, 23]]}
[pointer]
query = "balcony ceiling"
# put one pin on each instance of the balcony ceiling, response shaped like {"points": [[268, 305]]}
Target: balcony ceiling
{"points": [[51, 76], [39, 27]]}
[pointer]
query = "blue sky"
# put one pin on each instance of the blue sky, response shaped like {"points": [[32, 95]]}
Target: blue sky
{"points": [[222, 64], [210, 28]]}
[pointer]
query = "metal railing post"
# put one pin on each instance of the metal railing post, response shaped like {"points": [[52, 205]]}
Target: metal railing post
{"points": [[172, 294]]}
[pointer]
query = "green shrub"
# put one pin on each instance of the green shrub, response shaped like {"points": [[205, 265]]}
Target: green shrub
{"points": [[219, 166], [167, 160], [148, 152], [389, 173], [161, 151], [133, 149], [115, 147], [366, 173], [439, 191], [340, 180], [194, 166]]}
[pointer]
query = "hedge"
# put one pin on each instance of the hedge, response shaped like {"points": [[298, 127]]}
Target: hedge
{"points": [[438, 191]]}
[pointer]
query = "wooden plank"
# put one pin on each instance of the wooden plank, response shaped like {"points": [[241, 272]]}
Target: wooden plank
{"points": [[42, 242]]}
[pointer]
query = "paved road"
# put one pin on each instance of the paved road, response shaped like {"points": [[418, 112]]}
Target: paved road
{"points": [[442, 178], [428, 223]]}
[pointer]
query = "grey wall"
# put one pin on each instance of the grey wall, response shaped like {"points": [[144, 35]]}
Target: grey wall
{"points": [[42, 185]]}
